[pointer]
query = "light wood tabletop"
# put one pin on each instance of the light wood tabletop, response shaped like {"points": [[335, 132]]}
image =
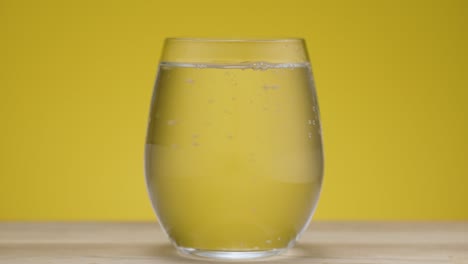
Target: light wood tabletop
{"points": [[324, 242]]}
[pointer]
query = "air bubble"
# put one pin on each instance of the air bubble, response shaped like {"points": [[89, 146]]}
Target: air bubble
{"points": [[310, 135], [171, 122], [270, 87], [268, 241], [195, 144], [195, 135], [260, 66], [190, 81]]}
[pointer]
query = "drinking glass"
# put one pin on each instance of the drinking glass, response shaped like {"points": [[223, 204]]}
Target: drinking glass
{"points": [[234, 158]]}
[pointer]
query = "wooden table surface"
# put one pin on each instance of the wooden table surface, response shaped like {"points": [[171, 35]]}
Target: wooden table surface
{"points": [[324, 242]]}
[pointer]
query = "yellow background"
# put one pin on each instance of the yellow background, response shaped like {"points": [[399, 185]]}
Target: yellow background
{"points": [[76, 79]]}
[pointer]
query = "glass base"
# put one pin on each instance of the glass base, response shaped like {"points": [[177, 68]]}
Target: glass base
{"points": [[229, 255]]}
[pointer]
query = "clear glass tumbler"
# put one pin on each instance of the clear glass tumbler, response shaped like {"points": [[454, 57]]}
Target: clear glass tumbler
{"points": [[234, 158]]}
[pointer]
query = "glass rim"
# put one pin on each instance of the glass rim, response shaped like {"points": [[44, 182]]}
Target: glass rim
{"points": [[236, 40], [234, 50]]}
